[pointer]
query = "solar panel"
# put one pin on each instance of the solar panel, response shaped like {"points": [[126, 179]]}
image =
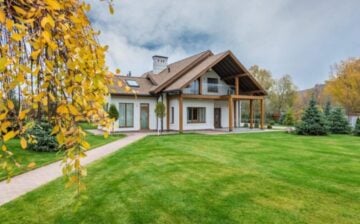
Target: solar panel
{"points": [[132, 83]]}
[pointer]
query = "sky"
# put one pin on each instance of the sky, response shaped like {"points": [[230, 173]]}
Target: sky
{"points": [[300, 38]]}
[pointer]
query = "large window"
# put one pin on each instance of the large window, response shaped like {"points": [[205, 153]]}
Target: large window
{"points": [[172, 115], [196, 114], [126, 115], [212, 84]]}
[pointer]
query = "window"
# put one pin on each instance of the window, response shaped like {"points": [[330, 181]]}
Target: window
{"points": [[196, 114], [126, 115], [172, 115], [132, 83], [212, 85]]}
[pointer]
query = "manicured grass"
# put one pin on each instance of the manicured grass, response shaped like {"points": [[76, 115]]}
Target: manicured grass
{"points": [[87, 126], [24, 157], [246, 178]]}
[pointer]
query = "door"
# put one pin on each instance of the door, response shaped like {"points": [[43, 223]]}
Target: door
{"points": [[144, 116], [217, 117]]}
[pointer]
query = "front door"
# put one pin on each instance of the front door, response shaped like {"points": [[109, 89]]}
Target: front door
{"points": [[217, 117], [144, 116]]}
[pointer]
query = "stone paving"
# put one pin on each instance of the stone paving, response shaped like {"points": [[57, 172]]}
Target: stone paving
{"points": [[21, 184]]}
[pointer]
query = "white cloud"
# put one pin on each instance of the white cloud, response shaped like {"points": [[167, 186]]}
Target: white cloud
{"points": [[301, 38]]}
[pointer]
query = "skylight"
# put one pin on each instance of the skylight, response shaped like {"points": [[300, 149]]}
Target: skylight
{"points": [[132, 83]]}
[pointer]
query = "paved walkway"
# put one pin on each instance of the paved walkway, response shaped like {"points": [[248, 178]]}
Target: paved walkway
{"points": [[28, 181]]}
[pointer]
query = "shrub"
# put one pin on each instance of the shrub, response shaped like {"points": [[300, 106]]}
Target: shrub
{"points": [[44, 141], [246, 125], [357, 127], [257, 125], [312, 121], [269, 126], [113, 113], [338, 123], [289, 119]]}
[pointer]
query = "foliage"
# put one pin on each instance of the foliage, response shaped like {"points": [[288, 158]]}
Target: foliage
{"points": [[357, 127], [312, 121], [288, 119], [338, 123], [160, 112], [42, 159], [344, 84], [193, 178], [263, 76], [113, 114], [269, 126], [327, 109], [50, 56], [283, 95], [43, 140]]}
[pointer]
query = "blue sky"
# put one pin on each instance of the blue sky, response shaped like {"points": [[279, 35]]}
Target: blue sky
{"points": [[301, 38]]}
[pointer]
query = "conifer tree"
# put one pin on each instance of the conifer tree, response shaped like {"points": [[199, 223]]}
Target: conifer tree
{"points": [[312, 121], [338, 123]]}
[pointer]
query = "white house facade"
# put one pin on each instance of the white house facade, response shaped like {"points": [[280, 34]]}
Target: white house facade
{"points": [[201, 92]]}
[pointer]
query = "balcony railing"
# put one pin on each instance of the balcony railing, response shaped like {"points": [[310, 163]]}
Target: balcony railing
{"points": [[211, 89]]}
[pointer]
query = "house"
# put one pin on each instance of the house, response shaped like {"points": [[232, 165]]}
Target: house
{"points": [[200, 92]]}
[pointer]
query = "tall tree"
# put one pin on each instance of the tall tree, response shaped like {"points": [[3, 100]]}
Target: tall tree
{"points": [[49, 56], [283, 94], [312, 122], [338, 122], [263, 76], [357, 127], [344, 84]]}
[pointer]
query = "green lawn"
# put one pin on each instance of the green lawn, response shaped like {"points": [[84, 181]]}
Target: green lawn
{"points": [[246, 178], [24, 157]]}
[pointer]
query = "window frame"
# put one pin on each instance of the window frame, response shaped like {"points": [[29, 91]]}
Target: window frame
{"points": [[172, 115], [125, 114], [193, 112], [210, 88]]}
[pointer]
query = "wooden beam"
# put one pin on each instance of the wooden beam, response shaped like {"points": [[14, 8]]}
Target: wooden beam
{"points": [[234, 76], [236, 85], [230, 105], [262, 111], [180, 113], [251, 113], [235, 115], [192, 96], [167, 112], [247, 97], [200, 86]]}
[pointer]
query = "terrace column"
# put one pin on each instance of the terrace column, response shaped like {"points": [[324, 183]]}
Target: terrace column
{"points": [[251, 113], [262, 111], [230, 105], [181, 113], [167, 112]]}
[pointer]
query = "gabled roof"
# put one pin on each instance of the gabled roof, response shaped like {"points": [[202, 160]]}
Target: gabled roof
{"points": [[179, 74]]}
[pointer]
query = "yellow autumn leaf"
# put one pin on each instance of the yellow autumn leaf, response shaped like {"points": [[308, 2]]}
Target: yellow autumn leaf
{"points": [[3, 64], [10, 104], [2, 16], [22, 114], [85, 144], [73, 110], [4, 148], [9, 135], [62, 109], [23, 143], [53, 4], [3, 116], [19, 10], [16, 37], [55, 130], [31, 165], [111, 9], [47, 20]]}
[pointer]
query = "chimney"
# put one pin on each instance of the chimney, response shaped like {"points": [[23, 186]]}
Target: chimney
{"points": [[128, 74], [159, 63]]}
